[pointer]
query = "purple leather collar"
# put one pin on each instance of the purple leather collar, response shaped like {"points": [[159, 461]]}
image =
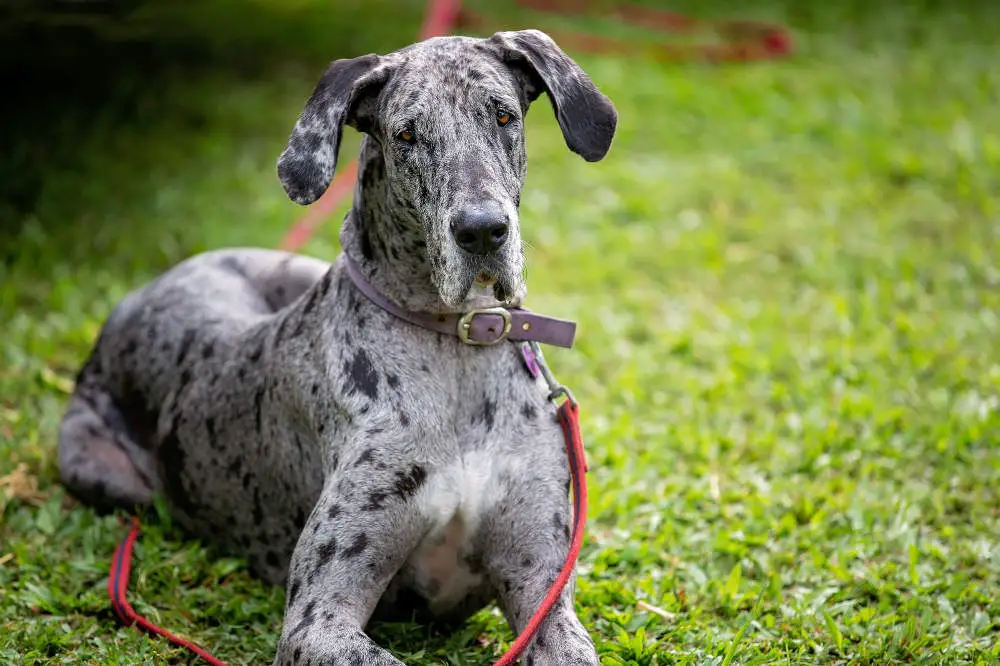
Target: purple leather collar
{"points": [[482, 327]]}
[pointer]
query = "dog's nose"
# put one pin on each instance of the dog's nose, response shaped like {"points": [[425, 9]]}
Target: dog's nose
{"points": [[480, 229]]}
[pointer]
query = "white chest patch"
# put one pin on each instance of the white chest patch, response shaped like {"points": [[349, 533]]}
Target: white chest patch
{"points": [[455, 500]]}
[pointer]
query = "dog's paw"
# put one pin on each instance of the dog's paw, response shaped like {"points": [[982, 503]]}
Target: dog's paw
{"points": [[563, 642], [347, 648]]}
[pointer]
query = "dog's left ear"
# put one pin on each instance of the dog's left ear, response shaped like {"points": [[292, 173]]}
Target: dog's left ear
{"points": [[343, 96], [586, 116]]}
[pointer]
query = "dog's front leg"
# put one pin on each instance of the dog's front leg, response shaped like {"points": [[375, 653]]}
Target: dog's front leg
{"points": [[527, 539], [359, 534]]}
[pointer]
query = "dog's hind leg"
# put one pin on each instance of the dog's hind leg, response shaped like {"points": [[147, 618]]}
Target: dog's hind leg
{"points": [[100, 463]]}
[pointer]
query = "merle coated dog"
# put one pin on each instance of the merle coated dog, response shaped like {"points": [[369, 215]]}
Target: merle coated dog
{"points": [[364, 432]]}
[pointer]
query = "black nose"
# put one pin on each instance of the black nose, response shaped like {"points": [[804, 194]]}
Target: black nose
{"points": [[480, 229]]}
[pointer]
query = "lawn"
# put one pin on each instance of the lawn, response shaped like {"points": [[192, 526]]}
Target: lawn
{"points": [[787, 278]]}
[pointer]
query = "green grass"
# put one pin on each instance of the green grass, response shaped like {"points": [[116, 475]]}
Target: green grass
{"points": [[787, 278]]}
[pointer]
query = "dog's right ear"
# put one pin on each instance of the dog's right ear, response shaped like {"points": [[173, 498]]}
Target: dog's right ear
{"points": [[343, 95]]}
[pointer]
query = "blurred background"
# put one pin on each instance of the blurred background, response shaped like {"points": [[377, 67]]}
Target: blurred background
{"points": [[786, 273]]}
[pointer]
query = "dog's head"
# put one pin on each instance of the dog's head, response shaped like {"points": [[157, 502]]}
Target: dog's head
{"points": [[447, 115]]}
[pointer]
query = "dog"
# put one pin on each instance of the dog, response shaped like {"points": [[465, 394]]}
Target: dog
{"points": [[363, 432]]}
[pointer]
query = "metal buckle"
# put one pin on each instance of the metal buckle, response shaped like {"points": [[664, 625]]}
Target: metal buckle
{"points": [[465, 326], [562, 392]]}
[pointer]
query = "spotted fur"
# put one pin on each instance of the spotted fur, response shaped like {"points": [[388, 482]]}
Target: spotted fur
{"points": [[374, 468]]}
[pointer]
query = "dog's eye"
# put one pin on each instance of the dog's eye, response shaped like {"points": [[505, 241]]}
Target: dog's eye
{"points": [[406, 136], [503, 118]]}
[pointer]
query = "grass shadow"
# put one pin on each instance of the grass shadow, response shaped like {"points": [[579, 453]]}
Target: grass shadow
{"points": [[100, 92]]}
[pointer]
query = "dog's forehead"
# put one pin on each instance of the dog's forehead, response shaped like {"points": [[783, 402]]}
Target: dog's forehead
{"points": [[447, 70]]}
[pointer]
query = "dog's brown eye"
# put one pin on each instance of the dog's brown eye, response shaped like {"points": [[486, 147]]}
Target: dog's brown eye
{"points": [[406, 135], [503, 118]]}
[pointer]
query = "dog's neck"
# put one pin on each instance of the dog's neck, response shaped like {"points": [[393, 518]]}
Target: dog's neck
{"points": [[390, 250]]}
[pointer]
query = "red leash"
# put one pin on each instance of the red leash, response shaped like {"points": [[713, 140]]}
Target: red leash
{"points": [[121, 567], [568, 414]]}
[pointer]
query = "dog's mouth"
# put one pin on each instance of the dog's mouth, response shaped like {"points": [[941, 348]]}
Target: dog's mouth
{"points": [[485, 279], [499, 282], [463, 280], [502, 291]]}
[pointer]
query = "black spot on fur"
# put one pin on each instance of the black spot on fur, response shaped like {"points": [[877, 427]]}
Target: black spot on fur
{"points": [[257, 352], [293, 590], [186, 341], [333, 511], [392, 380], [297, 654], [357, 547], [208, 350], [409, 483], [307, 619], [361, 375], [130, 347], [210, 432], [172, 459], [299, 327], [233, 266], [367, 456], [258, 508], [324, 284], [488, 413], [475, 564], [376, 501], [258, 400], [280, 334], [404, 420], [528, 411], [314, 389], [367, 251], [311, 303], [326, 551]]}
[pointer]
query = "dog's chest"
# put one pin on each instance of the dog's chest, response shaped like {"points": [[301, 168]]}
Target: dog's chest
{"points": [[457, 501]]}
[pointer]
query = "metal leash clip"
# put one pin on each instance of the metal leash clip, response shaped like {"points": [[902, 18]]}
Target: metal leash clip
{"points": [[556, 389]]}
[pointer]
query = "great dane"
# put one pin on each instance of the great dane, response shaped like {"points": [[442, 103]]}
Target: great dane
{"points": [[351, 428]]}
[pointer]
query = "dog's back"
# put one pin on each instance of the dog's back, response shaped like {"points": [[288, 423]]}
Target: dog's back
{"points": [[155, 346]]}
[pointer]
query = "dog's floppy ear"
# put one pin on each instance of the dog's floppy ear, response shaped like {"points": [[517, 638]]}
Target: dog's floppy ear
{"points": [[343, 95], [587, 117]]}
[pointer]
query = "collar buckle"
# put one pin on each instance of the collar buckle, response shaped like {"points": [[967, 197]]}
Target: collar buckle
{"points": [[465, 326]]}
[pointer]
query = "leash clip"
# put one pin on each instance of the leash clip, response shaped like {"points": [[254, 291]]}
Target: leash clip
{"points": [[535, 360], [563, 392]]}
